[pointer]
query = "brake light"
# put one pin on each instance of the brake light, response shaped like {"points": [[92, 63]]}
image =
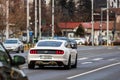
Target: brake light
{"points": [[59, 52], [33, 51]]}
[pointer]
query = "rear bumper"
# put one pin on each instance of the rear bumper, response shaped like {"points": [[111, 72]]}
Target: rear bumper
{"points": [[49, 62]]}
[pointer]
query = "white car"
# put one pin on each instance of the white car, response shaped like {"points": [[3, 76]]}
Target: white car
{"points": [[52, 52], [14, 44], [80, 41]]}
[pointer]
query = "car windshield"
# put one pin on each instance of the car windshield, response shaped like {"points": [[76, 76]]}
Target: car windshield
{"points": [[11, 41], [49, 44]]}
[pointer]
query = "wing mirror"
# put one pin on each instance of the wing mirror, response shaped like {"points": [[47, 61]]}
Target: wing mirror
{"points": [[18, 60], [73, 46]]}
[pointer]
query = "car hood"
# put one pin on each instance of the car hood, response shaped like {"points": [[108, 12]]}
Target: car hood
{"points": [[10, 45]]}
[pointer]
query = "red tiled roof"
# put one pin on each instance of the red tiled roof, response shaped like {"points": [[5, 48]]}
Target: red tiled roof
{"points": [[104, 25], [72, 25], [86, 24], [69, 25]]}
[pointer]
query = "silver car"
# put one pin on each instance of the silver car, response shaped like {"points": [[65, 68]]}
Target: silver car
{"points": [[14, 44]]}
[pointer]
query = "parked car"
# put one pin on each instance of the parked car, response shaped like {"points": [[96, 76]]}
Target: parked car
{"points": [[116, 42], [104, 40], [9, 68], [80, 41], [70, 41], [73, 43], [52, 52], [14, 44], [62, 38]]}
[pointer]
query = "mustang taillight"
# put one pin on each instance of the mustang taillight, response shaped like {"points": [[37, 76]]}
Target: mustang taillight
{"points": [[59, 52], [33, 51]]}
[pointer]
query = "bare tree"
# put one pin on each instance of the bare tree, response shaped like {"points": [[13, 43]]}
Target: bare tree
{"points": [[2, 18], [17, 15]]}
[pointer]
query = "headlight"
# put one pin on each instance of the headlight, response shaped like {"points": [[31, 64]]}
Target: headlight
{"points": [[15, 47]]}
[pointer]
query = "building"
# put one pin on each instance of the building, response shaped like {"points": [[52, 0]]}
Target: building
{"points": [[69, 28]]}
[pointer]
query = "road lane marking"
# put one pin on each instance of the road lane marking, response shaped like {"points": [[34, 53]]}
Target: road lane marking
{"points": [[118, 48], [83, 58], [86, 62], [98, 69], [97, 59], [25, 67], [113, 59]]}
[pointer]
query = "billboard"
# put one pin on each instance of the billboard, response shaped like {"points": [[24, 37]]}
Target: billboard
{"points": [[103, 4], [100, 4], [114, 3]]}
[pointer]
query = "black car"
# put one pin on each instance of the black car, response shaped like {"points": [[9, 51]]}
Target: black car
{"points": [[73, 43], [9, 68]]}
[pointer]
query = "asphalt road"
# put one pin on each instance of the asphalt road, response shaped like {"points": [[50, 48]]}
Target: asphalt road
{"points": [[94, 63]]}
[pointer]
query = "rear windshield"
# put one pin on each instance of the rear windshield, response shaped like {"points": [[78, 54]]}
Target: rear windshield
{"points": [[49, 44]]}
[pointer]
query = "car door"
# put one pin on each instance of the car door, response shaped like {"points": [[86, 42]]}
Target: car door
{"points": [[8, 68], [5, 63], [71, 52]]}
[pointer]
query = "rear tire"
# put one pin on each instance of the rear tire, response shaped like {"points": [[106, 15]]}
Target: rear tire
{"points": [[75, 65], [18, 50], [22, 51], [31, 65], [67, 67]]}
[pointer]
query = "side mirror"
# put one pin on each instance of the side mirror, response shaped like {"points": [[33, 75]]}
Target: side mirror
{"points": [[73, 46], [18, 60]]}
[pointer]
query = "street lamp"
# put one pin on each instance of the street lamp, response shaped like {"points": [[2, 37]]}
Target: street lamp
{"points": [[92, 21], [36, 20], [28, 17], [40, 33], [7, 19], [107, 22], [101, 25], [52, 18]]}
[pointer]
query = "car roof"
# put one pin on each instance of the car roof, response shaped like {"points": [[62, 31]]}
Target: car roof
{"points": [[52, 40]]}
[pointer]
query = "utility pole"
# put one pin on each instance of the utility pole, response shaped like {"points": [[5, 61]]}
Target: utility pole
{"points": [[107, 22], [53, 18], [101, 22], [92, 33], [36, 19], [101, 25], [28, 37], [7, 19], [40, 32]]}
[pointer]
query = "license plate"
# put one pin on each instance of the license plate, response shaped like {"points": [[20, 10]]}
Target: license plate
{"points": [[45, 57]]}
